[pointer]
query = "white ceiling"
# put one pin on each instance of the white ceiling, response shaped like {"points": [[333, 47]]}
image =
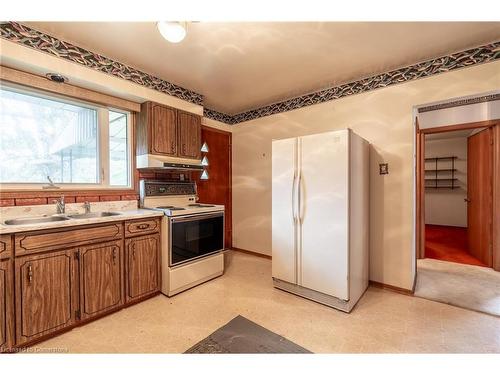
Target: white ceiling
{"points": [[241, 66]]}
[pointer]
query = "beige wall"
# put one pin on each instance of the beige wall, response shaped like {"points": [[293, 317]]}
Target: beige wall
{"points": [[384, 117], [447, 206]]}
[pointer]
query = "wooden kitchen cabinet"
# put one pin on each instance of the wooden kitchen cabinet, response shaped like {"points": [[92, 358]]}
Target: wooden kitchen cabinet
{"points": [[46, 293], [59, 278], [101, 278], [143, 266], [5, 246], [189, 135], [166, 131], [163, 131], [6, 306]]}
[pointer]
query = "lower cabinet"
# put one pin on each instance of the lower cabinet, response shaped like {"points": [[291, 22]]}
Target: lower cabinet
{"points": [[52, 288], [6, 308], [46, 294], [101, 278], [143, 266]]}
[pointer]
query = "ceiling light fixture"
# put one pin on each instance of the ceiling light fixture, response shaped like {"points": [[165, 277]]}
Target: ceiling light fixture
{"points": [[173, 31]]}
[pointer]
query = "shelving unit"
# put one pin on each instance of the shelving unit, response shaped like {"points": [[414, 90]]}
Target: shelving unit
{"points": [[438, 182]]}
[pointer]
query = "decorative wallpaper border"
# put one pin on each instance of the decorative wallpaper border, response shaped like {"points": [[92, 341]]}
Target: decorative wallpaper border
{"points": [[459, 103], [219, 116], [474, 56], [29, 37], [21, 34]]}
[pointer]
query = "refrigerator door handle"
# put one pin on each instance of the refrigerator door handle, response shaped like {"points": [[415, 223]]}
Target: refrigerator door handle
{"points": [[294, 198], [300, 198]]}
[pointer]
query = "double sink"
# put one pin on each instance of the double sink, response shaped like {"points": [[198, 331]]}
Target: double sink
{"points": [[49, 219]]}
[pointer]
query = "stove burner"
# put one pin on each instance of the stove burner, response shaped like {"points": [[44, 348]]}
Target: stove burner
{"points": [[200, 205]]}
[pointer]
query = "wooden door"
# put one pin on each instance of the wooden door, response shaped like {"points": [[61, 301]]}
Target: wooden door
{"points": [[6, 308], [46, 294], [101, 278], [143, 266], [189, 129], [217, 189], [163, 131], [420, 195], [479, 195]]}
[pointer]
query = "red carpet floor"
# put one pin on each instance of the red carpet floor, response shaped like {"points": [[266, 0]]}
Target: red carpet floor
{"points": [[449, 244]]}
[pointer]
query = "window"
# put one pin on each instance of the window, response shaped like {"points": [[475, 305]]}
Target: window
{"points": [[48, 138]]}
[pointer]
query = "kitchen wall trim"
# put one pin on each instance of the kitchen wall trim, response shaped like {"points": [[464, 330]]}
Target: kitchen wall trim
{"points": [[29, 37]]}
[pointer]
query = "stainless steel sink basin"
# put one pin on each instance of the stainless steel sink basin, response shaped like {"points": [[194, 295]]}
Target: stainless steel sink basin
{"points": [[35, 220], [91, 215]]}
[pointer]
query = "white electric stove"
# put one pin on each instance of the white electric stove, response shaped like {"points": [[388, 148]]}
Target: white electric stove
{"points": [[192, 234]]}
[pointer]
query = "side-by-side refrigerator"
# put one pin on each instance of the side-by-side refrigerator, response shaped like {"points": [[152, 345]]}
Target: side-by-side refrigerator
{"points": [[320, 217]]}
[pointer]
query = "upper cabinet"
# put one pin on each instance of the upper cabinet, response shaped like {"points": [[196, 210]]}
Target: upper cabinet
{"points": [[189, 129], [163, 131], [167, 131]]}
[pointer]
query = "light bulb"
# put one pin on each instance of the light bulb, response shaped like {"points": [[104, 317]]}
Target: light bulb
{"points": [[172, 31]]}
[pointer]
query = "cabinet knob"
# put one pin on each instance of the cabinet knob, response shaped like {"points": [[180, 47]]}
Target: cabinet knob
{"points": [[114, 256], [143, 226]]}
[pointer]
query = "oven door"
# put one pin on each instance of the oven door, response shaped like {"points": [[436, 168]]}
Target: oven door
{"points": [[196, 236]]}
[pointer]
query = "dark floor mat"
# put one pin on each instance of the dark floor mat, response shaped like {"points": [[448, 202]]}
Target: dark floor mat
{"points": [[241, 335]]}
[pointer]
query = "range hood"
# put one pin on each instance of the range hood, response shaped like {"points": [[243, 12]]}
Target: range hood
{"points": [[150, 161]]}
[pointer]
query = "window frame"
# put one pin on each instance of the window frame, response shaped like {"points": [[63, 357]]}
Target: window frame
{"points": [[103, 164]]}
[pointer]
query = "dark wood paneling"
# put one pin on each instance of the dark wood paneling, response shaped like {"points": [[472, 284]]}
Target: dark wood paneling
{"points": [[101, 278], [32, 242], [141, 227], [189, 129], [480, 195], [163, 131], [143, 266], [217, 189], [6, 306], [46, 299], [5, 246]]}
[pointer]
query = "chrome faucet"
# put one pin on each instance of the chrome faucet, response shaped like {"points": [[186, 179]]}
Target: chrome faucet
{"points": [[51, 184], [86, 205], [60, 205]]}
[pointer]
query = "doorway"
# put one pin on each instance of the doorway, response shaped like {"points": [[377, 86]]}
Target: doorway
{"points": [[457, 215]]}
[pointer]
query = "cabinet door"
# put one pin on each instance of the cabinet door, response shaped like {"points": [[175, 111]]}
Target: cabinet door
{"points": [[163, 131], [6, 309], [101, 277], [46, 294], [189, 135], [143, 266]]}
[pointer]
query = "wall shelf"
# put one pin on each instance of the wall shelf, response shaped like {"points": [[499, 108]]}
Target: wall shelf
{"points": [[434, 183]]}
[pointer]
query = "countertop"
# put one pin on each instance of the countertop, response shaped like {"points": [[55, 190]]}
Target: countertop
{"points": [[124, 215]]}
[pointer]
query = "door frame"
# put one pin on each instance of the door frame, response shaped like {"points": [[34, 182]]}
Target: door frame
{"points": [[420, 183]]}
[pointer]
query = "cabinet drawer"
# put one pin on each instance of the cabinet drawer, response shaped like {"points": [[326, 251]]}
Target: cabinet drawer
{"points": [[5, 246], [34, 242], [143, 226]]}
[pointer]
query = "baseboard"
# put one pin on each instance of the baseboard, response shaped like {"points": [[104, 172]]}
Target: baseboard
{"points": [[251, 253], [392, 288]]}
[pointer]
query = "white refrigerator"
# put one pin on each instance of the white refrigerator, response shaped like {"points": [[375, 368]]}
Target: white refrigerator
{"points": [[320, 217]]}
